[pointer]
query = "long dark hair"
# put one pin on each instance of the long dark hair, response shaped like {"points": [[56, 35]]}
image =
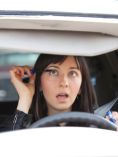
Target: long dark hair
{"points": [[84, 102]]}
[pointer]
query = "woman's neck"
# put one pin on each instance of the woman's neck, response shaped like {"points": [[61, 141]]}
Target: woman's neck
{"points": [[52, 111]]}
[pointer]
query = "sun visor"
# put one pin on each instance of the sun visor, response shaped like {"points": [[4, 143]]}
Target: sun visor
{"points": [[57, 42]]}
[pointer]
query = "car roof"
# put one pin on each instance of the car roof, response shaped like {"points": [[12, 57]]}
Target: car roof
{"points": [[89, 6], [78, 28]]}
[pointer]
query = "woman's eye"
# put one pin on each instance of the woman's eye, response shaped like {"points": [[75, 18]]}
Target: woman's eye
{"points": [[52, 72], [73, 74]]}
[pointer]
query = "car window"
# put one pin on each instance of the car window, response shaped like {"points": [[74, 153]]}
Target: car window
{"points": [[103, 72], [104, 76], [7, 91], [17, 59]]}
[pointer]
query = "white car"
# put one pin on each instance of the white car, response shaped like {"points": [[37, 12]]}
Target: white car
{"points": [[87, 28]]}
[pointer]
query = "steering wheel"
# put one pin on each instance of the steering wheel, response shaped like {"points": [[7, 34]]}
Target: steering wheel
{"points": [[77, 117]]}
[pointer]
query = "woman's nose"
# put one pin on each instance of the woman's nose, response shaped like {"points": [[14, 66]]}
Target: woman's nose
{"points": [[64, 82]]}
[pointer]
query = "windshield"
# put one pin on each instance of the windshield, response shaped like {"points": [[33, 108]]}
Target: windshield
{"points": [[103, 71]]}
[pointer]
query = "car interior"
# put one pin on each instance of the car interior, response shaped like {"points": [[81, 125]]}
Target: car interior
{"points": [[103, 71]]}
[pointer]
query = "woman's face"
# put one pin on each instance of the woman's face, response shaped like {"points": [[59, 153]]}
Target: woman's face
{"points": [[60, 84]]}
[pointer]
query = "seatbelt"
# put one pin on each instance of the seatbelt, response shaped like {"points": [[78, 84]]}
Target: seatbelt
{"points": [[105, 108]]}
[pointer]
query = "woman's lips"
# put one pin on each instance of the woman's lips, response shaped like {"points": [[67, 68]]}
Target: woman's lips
{"points": [[62, 97]]}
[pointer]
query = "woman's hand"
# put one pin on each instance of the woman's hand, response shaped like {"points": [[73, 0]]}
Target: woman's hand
{"points": [[112, 116], [25, 90]]}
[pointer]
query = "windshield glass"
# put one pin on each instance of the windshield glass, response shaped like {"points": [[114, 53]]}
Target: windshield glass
{"points": [[103, 71]]}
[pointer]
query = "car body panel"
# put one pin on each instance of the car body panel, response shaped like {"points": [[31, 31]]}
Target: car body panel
{"points": [[64, 25], [57, 42], [45, 20], [60, 142]]}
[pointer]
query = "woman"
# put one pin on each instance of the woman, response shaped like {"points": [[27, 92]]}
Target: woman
{"points": [[62, 84], [57, 84]]}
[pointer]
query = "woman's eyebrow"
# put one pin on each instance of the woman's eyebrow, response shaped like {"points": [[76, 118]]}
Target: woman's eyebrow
{"points": [[53, 66], [76, 68]]}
